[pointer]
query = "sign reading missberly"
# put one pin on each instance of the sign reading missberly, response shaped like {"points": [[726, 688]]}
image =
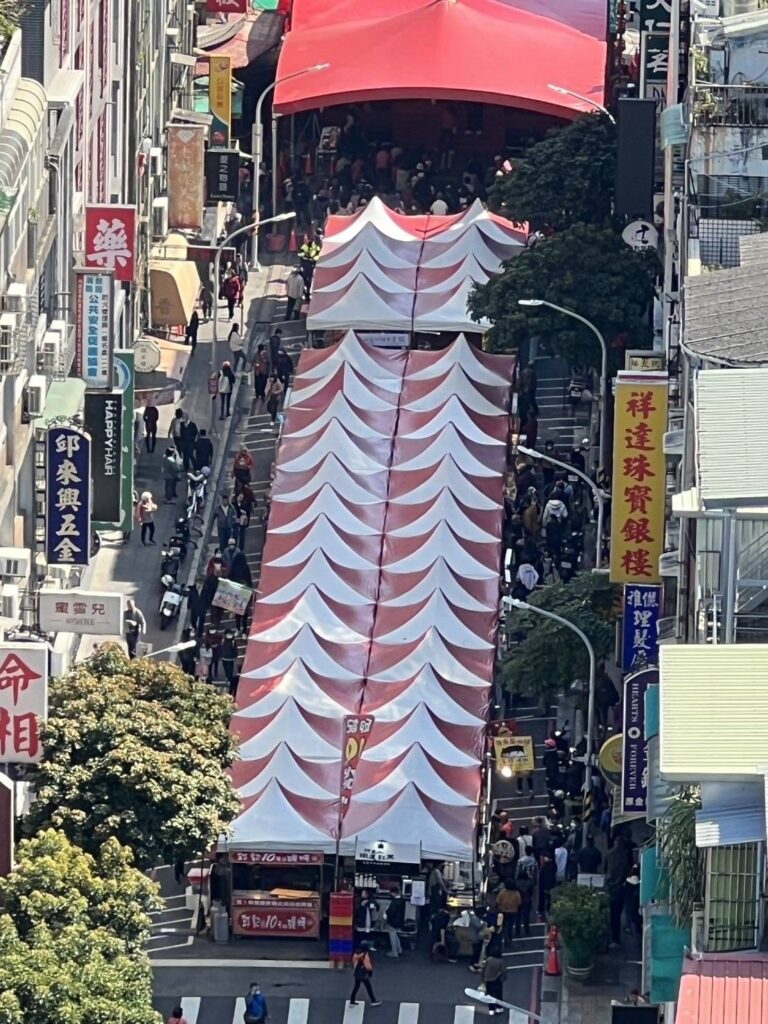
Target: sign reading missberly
{"points": [[103, 418]]}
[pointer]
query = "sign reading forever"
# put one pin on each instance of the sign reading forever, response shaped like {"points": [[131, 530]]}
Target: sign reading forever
{"points": [[23, 701]]}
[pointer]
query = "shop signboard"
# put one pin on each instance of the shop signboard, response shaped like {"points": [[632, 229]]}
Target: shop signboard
{"points": [[515, 753], [637, 516], [103, 413], [68, 499], [222, 176], [654, 63], [655, 16], [276, 917], [110, 239], [610, 759], [93, 326], [220, 100], [357, 729], [186, 176], [640, 647], [23, 701], [634, 776], [276, 859], [232, 597], [81, 611], [227, 6]]}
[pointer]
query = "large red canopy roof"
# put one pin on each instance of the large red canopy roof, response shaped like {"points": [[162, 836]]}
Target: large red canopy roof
{"points": [[492, 51]]}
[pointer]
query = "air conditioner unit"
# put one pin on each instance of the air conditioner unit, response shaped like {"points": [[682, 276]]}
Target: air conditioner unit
{"points": [[15, 562], [49, 354], [16, 298], [10, 602], [160, 217], [8, 344], [36, 391], [156, 161]]}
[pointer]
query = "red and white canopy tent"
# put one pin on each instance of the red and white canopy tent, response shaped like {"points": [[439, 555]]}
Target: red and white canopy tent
{"points": [[379, 596], [382, 271]]}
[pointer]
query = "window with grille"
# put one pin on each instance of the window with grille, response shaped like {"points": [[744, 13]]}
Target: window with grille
{"points": [[732, 899]]}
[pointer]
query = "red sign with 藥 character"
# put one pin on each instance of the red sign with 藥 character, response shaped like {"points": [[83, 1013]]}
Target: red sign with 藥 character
{"points": [[227, 6], [23, 701], [110, 239], [281, 859]]}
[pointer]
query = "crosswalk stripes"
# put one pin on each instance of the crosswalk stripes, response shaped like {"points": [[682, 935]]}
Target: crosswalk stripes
{"points": [[409, 1013], [190, 1006], [298, 1011]]}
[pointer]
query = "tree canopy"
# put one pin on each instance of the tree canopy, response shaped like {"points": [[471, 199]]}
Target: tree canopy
{"points": [[549, 657], [138, 751], [566, 179], [585, 268], [56, 884]]}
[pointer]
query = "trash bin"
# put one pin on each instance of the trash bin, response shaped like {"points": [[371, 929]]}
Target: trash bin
{"points": [[219, 923]]}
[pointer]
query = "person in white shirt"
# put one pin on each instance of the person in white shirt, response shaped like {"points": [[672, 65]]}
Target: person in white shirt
{"points": [[236, 347], [439, 207], [527, 576]]}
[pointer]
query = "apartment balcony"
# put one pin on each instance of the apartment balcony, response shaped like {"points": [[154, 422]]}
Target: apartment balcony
{"points": [[731, 106]]}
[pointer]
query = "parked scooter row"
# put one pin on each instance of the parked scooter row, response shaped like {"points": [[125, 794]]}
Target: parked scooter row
{"points": [[174, 551]]}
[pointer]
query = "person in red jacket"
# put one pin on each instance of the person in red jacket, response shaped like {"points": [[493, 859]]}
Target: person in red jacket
{"points": [[231, 289]]}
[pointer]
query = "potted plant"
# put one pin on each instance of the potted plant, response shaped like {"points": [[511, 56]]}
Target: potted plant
{"points": [[581, 916]]}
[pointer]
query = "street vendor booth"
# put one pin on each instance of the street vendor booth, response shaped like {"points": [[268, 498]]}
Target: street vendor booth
{"points": [[276, 894]]}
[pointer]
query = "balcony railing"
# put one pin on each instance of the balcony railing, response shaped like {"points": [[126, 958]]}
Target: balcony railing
{"points": [[736, 106]]}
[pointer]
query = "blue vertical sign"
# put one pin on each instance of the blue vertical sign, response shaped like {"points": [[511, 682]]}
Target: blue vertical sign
{"points": [[642, 607], [634, 776], [68, 497]]}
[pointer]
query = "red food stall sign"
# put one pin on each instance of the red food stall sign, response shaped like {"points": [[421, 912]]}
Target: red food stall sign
{"points": [[276, 917], [275, 859]]}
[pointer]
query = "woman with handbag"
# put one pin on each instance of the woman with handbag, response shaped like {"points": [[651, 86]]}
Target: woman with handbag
{"points": [[362, 971]]}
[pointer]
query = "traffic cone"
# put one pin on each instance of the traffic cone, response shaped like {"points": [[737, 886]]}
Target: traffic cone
{"points": [[553, 960], [293, 245], [308, 168]]}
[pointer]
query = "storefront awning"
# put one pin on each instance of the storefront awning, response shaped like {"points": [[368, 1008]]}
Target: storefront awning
{"points": [[256, 33], [163, 384], [25, 117], [173, 288], [731, 813], [723, 988]]}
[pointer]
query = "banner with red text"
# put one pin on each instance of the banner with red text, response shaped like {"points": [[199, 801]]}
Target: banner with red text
{"points": [[110, 239], [23, 701]]}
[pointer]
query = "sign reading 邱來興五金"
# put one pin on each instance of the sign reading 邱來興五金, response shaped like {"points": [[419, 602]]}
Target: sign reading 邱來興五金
{"points": [[634, 775], [23, 701], [80, 611], [93, 327], [68, 498], [638, 492], [640, 647], [103, 413]]}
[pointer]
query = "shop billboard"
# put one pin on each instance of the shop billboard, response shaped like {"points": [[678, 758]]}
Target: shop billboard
{"points": [[23, 701], [68, 497]]}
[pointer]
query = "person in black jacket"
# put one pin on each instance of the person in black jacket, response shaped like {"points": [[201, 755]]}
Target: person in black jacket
{"points": [[395, 920], [203, 451], [197, 608], [187, 440]]}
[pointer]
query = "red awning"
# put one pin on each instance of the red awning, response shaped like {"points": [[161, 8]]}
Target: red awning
{"points": [[722, 988], [492, 51], [258, 32]]}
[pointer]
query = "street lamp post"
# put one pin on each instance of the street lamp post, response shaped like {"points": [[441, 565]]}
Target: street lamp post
{"points": [[513, 602], [182, 645], [603, 368], [597, 494], [258, 146], [483, 997], [584, 99], [216, 268]]}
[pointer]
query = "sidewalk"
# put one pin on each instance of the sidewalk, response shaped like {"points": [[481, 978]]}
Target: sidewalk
{"points": [[131, 568], [616, 974]]}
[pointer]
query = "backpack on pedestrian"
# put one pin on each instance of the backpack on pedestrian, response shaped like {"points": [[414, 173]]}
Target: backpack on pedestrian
{"points": [[525, 878]]}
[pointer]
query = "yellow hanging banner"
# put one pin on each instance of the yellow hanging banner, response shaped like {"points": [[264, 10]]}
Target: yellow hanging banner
{"points": [[638, 486], [220, 100]]}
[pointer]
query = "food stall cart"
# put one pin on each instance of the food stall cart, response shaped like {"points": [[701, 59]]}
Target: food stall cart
{"points": [[276, 893]]}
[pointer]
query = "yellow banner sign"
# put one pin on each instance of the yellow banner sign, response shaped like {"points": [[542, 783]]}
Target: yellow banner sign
{"points": [[220, 99], [515, 752], [186, 179], [638, 491]]}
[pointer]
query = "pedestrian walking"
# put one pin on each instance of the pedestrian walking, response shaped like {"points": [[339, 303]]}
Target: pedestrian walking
{"points": [[188, 656], [274, 395], [475, 926], [256, 1011], [243, 521], [229, 659], [525, 878], [239, 570], [170, 469], [494, 974], [242, 468], [436, 888], [203, 453], [362, 971], [145, 514], [187, 439], [134, 624], [177, 1015], [190, 335], [508, 903], [284, 367], [196, 607], [226, 385], [294, 290], [150, 418], [212, 646], [547, 882], [174, 431], [231, 551], [241, 268], [206, 300], [590, 858], [230, 292], [236, 347], [260, 367], [394, 916], [225, 519], [275, 344]]}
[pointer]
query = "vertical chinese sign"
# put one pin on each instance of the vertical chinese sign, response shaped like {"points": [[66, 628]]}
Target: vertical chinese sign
{"points": [[68, 498], [110, 239], [124, 381], [23, 701], [220, 99], [186, 176], [655, 25], [640, 646], [93, 327], [637, 516], [634, 775], [357, 730]]}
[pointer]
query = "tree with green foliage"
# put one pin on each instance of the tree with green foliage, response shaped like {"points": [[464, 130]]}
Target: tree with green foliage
{"points": [[681, 858], [11, 13], [568, 178], [587, 269], [548, 657], [57, 885], [78, 975], [138, 751]]}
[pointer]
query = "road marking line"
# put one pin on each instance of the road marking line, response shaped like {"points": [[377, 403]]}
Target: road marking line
{"points": [[353, 1014], [518, 1017], [409, 1013], [316, 965], [191, 1007], [298, 1011], [464, 1015], [239, 1012]]}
